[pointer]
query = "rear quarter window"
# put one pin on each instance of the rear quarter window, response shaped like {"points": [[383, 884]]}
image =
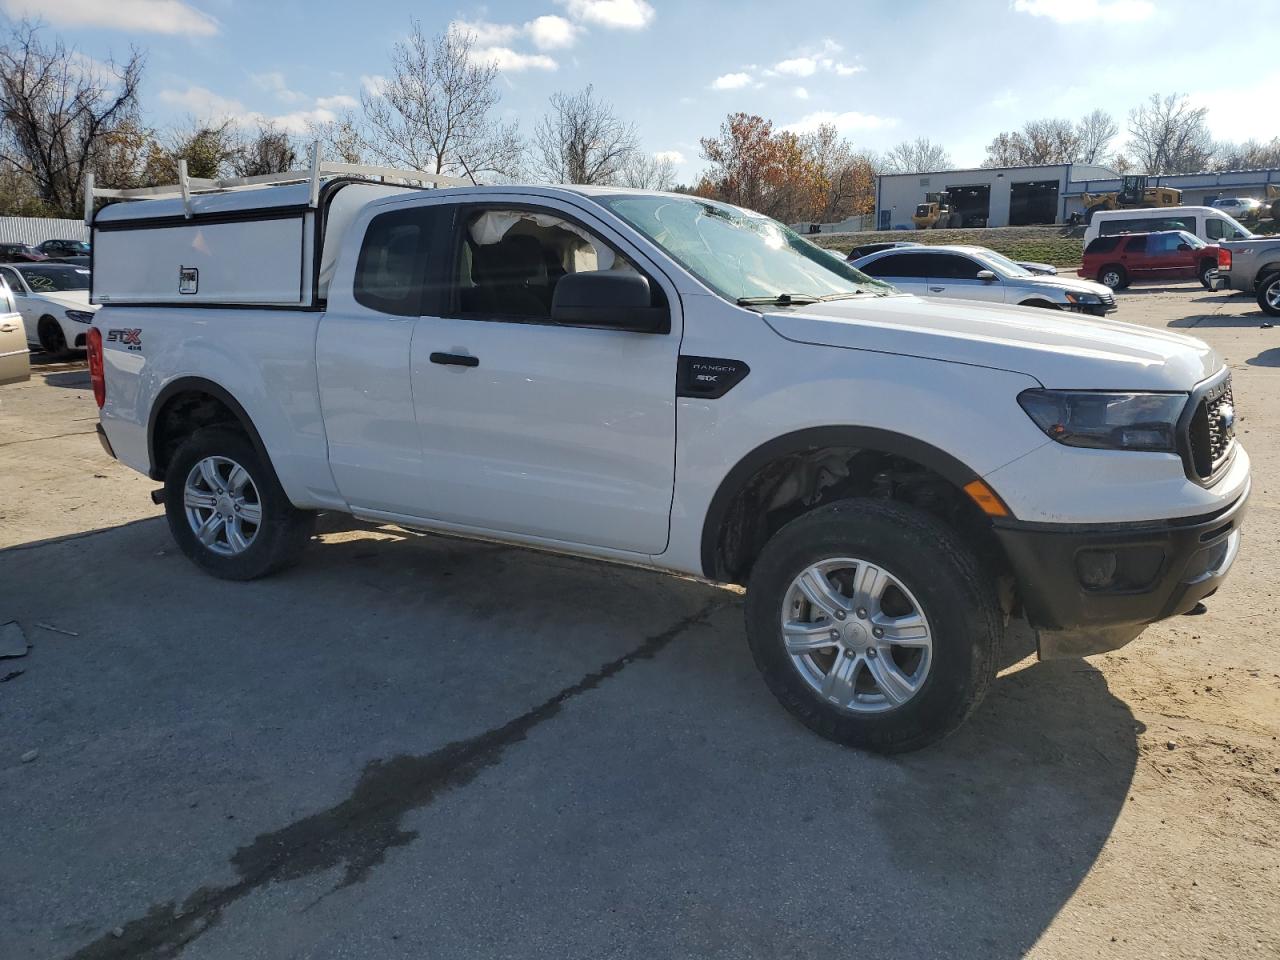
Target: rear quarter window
{"points": [[391, 269], [1102, 245]]}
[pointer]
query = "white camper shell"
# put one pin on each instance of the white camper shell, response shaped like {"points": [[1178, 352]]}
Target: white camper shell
{"points": [[229, 243]]}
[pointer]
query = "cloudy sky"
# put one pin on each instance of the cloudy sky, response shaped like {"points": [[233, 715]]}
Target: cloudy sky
{"points": [[881, 70]]}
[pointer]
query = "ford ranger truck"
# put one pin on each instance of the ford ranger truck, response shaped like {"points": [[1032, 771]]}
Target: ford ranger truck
{"points": [[667, 381]]}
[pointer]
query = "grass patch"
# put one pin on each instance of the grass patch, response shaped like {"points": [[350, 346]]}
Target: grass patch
{"points": [[1052, 245]]}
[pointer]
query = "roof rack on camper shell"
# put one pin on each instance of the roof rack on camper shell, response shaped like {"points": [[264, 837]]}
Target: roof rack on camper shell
{"points": [[188, 186]]}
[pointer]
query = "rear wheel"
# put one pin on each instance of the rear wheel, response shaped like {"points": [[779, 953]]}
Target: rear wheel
{"points": [[226, 509], [52, 340], [1208, 273], [1114, 276], [1269, 295], [873, 624]]}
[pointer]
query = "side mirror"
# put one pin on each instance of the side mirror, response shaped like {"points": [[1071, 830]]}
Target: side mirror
{"points": [[1184, 246], [987, 276], [609, 300]]}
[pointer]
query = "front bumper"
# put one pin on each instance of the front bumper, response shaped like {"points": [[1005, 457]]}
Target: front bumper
{"points": [[1089, 588]]}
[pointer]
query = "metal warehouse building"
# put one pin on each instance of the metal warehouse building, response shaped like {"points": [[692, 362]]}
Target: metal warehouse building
{"points": [[1017, 196]]}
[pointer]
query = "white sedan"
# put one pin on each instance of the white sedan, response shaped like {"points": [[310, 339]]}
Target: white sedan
{"points": [[53, 299]]}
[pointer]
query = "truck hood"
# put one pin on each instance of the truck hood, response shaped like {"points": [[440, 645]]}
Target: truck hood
{"points": [[1062, 350]]}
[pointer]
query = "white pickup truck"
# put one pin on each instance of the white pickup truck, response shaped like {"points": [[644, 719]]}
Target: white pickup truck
{"points": [[666, 381]]}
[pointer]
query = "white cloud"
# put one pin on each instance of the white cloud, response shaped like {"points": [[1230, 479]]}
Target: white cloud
{"points": [[300, 121], [798, 67], [274, 83], [373, 84], [844, 122], [847, 69], [674, 156], [147, 16], [614, 14], [509, 61], [1083, 11], [487, 34], [731, 81], [800, 93], [551, 32], [339, 101], [203, 103]]}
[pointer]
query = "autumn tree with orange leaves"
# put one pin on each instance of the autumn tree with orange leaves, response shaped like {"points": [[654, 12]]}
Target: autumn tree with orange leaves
{"points": [[793, 178]]}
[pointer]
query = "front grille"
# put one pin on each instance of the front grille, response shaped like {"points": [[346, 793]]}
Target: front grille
{"points": [[1212, 430], [1108, 300]]}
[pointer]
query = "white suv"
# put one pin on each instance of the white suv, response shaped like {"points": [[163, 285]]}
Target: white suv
{"points": [[661, 380]]}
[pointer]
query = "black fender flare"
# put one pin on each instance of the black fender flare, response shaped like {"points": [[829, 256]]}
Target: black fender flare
{"points": [[811, 439], [218, 392]]}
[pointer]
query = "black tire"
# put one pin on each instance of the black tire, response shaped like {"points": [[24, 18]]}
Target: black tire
{"points": [[955, 593], [52, 340], [1121, 276], [280, 537], [1269, 294], [1207, 272]]}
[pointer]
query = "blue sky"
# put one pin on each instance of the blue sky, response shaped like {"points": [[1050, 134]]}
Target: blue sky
{"points": [[882, 71]]}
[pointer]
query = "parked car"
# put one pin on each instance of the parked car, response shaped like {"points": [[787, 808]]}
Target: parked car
{"points": [[663, 380], [976, 273], [1168, 255], [53, 299], [61, 249], [15, 363], [76, 261], [1208, 224], [20, 253], [1240, 208], [1253, 267]]}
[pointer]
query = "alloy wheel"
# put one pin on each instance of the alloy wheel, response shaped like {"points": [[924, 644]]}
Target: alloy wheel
{"points": [[857, 635], [222, 506]]}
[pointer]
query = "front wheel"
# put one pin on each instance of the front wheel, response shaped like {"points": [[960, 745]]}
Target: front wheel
{"points": [[226, 509], [873, 624], [1269, 295], [52, 340]]}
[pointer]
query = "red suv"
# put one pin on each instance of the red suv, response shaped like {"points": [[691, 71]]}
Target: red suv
{"points": [[1167, 255]]}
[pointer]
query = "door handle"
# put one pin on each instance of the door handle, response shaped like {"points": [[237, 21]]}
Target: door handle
{"points": [[455, 359], [936, 289], [8, 327]]}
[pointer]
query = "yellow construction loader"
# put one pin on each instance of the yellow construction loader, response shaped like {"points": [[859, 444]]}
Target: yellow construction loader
{"points": [[935, 213], [1134, 194], [1273, 196]]}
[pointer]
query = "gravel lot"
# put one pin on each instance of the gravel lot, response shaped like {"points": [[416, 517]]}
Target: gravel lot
{"points": [[419, 747]]}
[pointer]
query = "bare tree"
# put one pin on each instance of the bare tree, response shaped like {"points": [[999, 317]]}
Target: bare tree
{"points": [[847, 177], [921, 155], [647, 172], [435, 113], [1038, 143], [267, 150], [1094, 134], [55, 109], [342, 140], [581, 140], [1169, 135], [1250, 155]]}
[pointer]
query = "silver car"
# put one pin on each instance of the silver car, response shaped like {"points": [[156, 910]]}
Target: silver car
{"points": [[976, 273]]}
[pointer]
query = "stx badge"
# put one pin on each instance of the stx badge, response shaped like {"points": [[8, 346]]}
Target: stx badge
{"points": [[130, 339]]}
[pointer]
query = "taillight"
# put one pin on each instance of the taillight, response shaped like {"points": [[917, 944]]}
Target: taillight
{"points": [[97, 373], [1224, 258]]}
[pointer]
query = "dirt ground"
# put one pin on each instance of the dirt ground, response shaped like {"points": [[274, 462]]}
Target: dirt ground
{"points": [[412, 746]]}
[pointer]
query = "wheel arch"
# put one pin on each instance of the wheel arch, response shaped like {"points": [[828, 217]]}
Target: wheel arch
{"points": [[1039, 302], [753, 473], [195, 391]]}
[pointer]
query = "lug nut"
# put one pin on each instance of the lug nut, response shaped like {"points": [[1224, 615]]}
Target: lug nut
{"points": [[871, 652], [840, 614], [835, 634], [862, 613], [876, 632]]}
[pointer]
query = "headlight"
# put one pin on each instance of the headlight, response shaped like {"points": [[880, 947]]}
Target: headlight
{"points": [[80, 316], [1083, 298], [1112, 421]]}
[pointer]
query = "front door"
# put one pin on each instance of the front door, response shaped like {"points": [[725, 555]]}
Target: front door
{"points": [[538, 428], [954, 275]]}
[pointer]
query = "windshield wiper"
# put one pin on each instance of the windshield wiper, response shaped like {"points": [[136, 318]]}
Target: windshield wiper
{"points": [[781, 300]]}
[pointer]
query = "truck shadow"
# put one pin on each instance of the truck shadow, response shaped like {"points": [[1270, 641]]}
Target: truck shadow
{"points": [[1267, 358], [1226, 321], [610, 720]]}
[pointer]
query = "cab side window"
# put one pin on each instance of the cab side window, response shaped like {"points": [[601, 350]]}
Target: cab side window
{"points": [[511, 260], [950, 266]]}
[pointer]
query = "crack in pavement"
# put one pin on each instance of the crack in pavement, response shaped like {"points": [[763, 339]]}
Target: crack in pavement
{"points": [[360, 830]]}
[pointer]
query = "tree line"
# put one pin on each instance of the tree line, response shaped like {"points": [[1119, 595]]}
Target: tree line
{"points": [[64, 116]]}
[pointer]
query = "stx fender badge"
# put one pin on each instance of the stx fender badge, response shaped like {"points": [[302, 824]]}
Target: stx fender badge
{"points": [[129, 339]]}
